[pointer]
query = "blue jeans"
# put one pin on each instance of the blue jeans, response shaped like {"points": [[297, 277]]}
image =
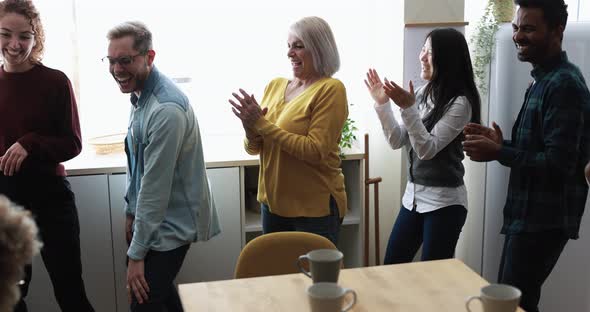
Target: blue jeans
{"points": [[437, 230], [328, 226], [527, 260], [161, 268]]}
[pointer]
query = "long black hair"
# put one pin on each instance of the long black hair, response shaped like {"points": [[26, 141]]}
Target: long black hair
{"points": [[452, 76]]}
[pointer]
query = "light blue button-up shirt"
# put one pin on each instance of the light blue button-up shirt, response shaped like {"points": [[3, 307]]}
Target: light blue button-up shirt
{"points": [[167, 186]]}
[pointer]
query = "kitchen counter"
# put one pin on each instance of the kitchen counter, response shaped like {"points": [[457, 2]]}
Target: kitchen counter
{"points": [[220, 151]]}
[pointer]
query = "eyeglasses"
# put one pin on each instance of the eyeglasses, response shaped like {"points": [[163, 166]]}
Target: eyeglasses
{"points": [[122, 60]]}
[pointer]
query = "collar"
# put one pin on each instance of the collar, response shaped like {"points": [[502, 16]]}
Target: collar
{"points": [[541, 70], [148, 87]]}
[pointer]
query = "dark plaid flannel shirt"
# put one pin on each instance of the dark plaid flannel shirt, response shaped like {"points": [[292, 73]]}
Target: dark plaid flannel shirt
{"points": [[549, 147]]}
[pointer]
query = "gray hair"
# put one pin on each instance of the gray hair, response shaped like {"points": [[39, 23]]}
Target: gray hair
{"points": [[142, 36], [317, 37]]}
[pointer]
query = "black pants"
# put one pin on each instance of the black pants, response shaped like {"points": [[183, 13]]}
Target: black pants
{"points": [[160, 270], [527, 261], [51, 202]]}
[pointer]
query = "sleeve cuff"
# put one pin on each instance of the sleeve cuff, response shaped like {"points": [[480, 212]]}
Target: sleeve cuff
{"points": [[411, 111], [260, 125], [255, 140], [128, 211], [382, 108], [506, 155], [28, 142], [410, 116], [137, 252]]}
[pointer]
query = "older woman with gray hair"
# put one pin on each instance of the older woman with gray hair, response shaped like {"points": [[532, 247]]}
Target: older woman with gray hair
{"points": [[296, 130]]}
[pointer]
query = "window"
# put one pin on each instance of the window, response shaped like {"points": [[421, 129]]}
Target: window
{"points": [[213, 47], [584, 11]]}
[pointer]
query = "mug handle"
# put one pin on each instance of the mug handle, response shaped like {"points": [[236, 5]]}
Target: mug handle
{"points": [[352, 302], [471, 299], [301, 267]]}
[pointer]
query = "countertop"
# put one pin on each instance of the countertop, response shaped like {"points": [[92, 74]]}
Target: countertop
{"points": [[220, 151]]}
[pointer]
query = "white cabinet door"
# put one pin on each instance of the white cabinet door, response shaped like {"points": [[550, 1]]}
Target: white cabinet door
{"points": [[97, 254], [216, 259], [117, 194]]}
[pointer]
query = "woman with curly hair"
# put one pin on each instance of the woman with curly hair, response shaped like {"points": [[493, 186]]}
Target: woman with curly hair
{"points": [[39, 129]]}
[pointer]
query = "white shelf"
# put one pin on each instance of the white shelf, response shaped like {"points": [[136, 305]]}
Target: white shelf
{"points": [[351, 219], [254, 224]]}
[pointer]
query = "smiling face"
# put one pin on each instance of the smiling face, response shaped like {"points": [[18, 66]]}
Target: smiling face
{"points": [[427, 68], [301, 59], [17, 40], [535, 41], [131, 74]]}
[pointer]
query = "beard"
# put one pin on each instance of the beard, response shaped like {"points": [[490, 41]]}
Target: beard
{"points": [[536, 52]]}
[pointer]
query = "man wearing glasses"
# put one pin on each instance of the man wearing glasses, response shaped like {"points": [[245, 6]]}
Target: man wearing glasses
{"points": [[168, 201]]}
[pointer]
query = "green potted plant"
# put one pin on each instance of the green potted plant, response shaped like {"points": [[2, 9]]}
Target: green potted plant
{"points": [[483, 39], [348, 135]]}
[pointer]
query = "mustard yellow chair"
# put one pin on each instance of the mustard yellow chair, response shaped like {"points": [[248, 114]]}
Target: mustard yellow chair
{"points": [[277, 253]]}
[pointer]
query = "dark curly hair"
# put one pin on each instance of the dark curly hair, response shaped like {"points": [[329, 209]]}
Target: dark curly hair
{"points": [[28, 10], [554, 11]]}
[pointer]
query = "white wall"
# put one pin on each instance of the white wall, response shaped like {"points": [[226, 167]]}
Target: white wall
{"points": [[387, 53], [426, 11]]}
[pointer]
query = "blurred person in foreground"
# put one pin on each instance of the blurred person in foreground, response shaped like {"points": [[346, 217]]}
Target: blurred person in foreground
{"points": [[18, 245]]}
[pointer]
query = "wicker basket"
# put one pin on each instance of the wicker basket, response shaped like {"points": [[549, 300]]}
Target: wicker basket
{"points": [[108, 144]]}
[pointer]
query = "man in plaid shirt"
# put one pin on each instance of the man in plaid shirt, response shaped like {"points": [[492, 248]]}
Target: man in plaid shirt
{"points": [[547, 152]]}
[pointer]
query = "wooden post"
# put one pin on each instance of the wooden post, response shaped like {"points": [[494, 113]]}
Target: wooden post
{"points": [[376, 203], [366, 199], [368, 182]]}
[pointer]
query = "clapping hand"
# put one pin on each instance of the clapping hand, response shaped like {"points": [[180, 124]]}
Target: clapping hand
{"points": [[248, 109], [494, 134], [482, 143], [375, 87], [402, 98]]}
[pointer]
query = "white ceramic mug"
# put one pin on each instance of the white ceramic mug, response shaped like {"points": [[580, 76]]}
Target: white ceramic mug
{"points": [[329, 297], [324, 265], [497, 298]]}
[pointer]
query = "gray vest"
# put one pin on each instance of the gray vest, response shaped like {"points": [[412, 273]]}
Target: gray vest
{"points": [[444, 169]]}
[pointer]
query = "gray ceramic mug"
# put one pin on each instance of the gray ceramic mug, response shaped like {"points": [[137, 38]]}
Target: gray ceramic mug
{"points": [[497, 298], [324, 265], [329, 297]]}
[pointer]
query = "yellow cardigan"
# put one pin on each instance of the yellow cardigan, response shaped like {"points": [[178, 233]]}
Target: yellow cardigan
{"points": [[298, 147]]}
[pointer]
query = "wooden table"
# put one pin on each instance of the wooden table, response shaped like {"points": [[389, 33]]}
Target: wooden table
{"points": [[420, 286]]}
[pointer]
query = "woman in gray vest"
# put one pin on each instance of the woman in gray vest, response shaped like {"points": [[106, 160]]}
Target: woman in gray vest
{"points": [[429, 125]]}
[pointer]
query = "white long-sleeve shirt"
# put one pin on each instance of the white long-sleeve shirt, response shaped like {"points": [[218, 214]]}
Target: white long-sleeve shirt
{"points": [[408, 128]]}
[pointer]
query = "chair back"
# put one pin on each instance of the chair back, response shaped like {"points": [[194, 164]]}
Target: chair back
{"points": [[277, 253]]}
